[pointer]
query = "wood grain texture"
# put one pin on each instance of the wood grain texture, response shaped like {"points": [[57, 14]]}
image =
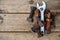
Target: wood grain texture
{"points": [[14, 22], [18, 22], [57, 23], [28, 36], [24, 6]]}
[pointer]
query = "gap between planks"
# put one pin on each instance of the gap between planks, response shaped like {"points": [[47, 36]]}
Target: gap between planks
{"points": [[24, 31], [53, 11]]}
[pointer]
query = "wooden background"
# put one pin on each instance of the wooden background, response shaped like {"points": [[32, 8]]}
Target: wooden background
{"points": [[15, 13]]}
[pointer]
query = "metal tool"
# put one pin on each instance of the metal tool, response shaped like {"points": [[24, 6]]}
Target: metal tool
{"points": [[42, 9]]}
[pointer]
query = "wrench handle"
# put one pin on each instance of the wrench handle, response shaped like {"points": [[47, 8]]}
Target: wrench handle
{"points": [[42, 19], [42, 16]]}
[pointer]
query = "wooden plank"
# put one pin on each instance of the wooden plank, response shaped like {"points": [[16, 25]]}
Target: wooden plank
{"points": [[28, 36], [14, 22], [17, 22], [24, 6], [56, 11], [28, 12], [15, 5], [53, 4], [57, 22]]}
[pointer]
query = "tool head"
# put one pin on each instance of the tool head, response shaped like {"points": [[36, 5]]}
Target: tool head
{"points": [[41, 7]]}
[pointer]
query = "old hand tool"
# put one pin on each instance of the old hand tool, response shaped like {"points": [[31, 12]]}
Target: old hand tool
{"points": [[41, 19], [42, 9]]}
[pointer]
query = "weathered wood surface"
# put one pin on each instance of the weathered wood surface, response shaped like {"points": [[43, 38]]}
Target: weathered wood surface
{"points": [[24, 6], [18, 22], [57, 11], [57, 22], [14, 22], [28, 36]]}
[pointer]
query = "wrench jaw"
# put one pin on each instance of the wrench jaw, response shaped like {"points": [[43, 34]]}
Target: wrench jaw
{"points": [[38, 6], [42, 9], [44, 5]]}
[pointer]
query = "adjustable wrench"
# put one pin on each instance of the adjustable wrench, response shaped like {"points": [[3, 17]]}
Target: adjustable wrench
{"points": [[42, 9]]}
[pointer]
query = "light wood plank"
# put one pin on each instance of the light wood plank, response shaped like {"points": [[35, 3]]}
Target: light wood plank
{"points": [[14, 22], [24, 6], [18, 22], [28, 36]]}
